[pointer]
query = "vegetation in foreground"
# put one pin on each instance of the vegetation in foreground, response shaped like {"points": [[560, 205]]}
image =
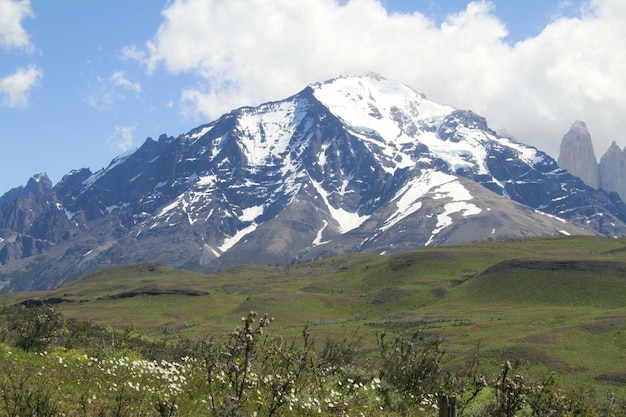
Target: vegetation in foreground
{"points": [[52, 366], [553, 308]]}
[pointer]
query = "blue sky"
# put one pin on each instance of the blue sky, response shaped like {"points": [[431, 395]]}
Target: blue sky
{"points": [[83, 81]]}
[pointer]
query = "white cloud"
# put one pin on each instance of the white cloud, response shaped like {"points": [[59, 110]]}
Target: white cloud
{"points": [[119, 78], [121, 139], [15, 87], [244, 52], [12, 34], [106, 92]]}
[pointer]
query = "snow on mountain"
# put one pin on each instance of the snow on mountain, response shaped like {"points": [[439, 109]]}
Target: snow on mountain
{"points": [[442, 186], [385, 114], [346, 220], [353, 163]]}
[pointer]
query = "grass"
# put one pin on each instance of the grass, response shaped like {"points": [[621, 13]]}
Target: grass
{"points": [[552, 303]]}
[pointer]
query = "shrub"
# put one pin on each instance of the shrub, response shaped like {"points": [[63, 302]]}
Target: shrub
{"points": [[32, 328], [20, 398], [411, 367]]}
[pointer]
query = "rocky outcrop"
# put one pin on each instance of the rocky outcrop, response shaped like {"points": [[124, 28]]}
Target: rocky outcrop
{"points": [[577, 156], [613, 170]]}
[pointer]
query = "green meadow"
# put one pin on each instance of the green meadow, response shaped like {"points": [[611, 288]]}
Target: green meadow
{"points": [[550, 305]]}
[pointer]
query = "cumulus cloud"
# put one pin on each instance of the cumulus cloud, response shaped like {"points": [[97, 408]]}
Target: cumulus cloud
{"points": [[16, 87], [121, 140], [244, 52], [12, 34]]}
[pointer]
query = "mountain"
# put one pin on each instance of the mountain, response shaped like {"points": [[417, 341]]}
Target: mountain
{"points": [[577, 156], [350, 164], [612, 169]]}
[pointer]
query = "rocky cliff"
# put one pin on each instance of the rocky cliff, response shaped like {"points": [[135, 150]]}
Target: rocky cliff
{"points": [[577, 155], [613, 170]]}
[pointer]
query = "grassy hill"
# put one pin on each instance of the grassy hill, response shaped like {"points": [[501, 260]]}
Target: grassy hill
{"points": [[553, 303]]}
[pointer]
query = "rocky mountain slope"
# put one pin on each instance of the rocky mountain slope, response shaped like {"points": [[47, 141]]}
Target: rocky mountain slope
{"points": [[351, 164]]}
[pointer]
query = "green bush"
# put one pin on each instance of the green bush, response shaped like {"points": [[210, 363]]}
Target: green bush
{"points": [[32, 329], [411, 367]]}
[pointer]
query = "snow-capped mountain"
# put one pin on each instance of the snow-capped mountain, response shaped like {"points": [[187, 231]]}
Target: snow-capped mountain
{"points": [[351, 164]]}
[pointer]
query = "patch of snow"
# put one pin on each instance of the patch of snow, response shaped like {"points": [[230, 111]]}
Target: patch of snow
{"points": [[135, 177], [213, 251], [552, 216], [407, 199], [267, 130], [251, 213], [564, 232], [207, 180], [460, 196], [110, 209], [200, 133], [444, 220], [347, 221], [321, 157], [229, 242], [168, 208], [526, 153], [454, 190], [318, 239], [465, 154]]}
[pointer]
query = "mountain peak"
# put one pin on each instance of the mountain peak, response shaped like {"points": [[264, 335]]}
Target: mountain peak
{"points": [[577, 155], [36, 185], [579, 125], [383, 109], [612, 151], [613, 170]]}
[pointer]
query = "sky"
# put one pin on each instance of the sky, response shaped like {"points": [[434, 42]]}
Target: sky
{"points": [[84, 81]]}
